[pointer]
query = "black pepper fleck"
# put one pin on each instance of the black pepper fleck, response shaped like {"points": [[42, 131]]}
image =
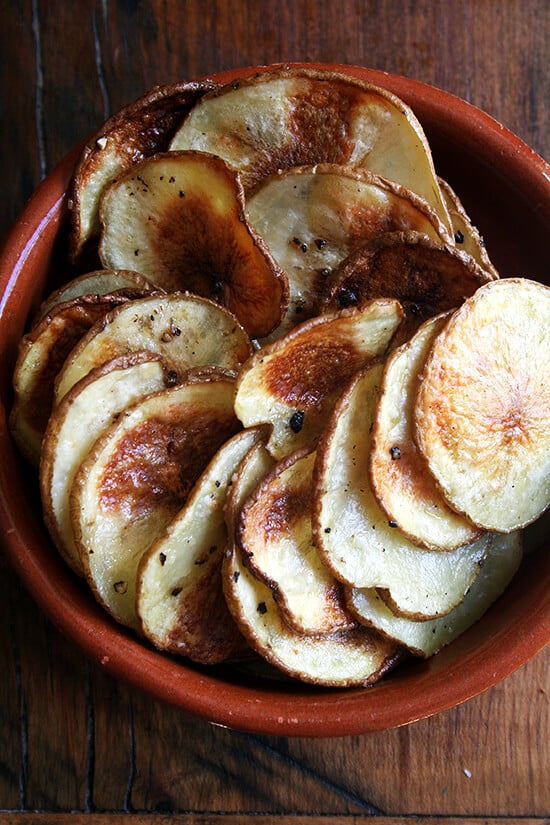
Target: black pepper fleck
{"points": [[297, 421]]}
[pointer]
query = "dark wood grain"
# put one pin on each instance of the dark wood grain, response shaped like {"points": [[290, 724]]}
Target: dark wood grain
{"points": [[71, 738]]}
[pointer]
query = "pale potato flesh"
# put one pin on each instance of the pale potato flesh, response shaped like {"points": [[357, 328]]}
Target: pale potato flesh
{"points": [[354, 536], [186, 330], [401, 482], [275, 540], [483, 406], [425, 638], [293, 383]]}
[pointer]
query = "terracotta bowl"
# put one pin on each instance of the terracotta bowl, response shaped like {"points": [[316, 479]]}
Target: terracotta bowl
{"points": [[505, 187]]}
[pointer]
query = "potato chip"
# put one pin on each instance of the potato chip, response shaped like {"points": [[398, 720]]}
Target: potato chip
{"points": [[354, 536], [425, 638], [275, 540], [179, 219], [466, 235], [483, 407], [427, 277], [401, 482], [92, 405], [300, 117], [97, 282], [138, 130], [345, 658], [41, 355], [138, 475], [180, 599], [293, 383], [313, 217], [186, 330]]}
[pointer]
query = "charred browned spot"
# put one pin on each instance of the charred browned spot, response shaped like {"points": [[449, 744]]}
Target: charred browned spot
{"points": [[207, 256], [286, 508], [159, 461], [318, 129], [210, 252], [204, 629], [309, 372], [410, 471]]}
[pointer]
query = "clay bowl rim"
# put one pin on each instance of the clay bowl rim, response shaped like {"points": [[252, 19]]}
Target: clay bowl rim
{"points": [[484, 656]]}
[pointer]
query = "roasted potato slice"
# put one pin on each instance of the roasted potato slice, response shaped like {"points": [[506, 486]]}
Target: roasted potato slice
{"points": [[466, 235], [179, 219], [401, 482], [428, 637], [91, 406], [353, 535], [180, 599], [298, 117], [293, 383], [275, 540], [98, 282], [40, 358], [313, 217], [252, 470], [483, 406], [139, 130], [137, 476], [428, 277], [186, 330], [342, 659]]}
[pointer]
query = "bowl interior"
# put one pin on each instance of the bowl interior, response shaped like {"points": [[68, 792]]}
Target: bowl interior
{"points": [[505, 187]]}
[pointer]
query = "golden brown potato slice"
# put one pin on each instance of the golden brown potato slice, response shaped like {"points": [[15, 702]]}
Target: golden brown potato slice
{"points": [[187, 331], [138, 130], [180, 600], [424, 638], [92, 405], [483, 407], [426, 276], [179, 219], [353, 535], [299, 117], [466, 235], [275, 540], [292, 384], [40, 358], [137, 476], [254, 609], [97, 282], [345, 658], [401, 482], [313, 217]]}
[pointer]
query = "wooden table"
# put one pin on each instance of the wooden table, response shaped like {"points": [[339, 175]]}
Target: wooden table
{"points": [[74, 741]]}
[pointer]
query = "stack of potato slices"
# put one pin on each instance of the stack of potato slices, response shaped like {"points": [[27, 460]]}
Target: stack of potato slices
{"points": [[289, 409]]}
